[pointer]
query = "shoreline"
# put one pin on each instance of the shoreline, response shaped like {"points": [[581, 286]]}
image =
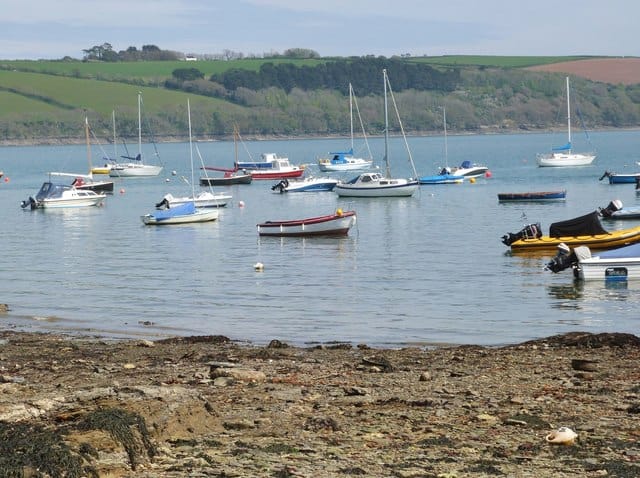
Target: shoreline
{"points": [[182, 139], [208, 406]]}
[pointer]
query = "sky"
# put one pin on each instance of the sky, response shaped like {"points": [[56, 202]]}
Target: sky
{"points": [[46, 29]]}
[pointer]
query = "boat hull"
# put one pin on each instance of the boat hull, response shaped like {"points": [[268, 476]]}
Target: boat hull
{"points": [[331, 225], [565, 159], [441, 179], [275, 174], [623, 178], [202, 200], [533, 196], [227, 180], [134, 170], [305, 185], [349, 164], [596, 242], [375, 185], [199, 216], [609, 270]]}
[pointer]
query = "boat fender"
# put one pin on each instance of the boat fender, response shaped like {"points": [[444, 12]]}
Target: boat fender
{"points": [[612, 207], [339, 212]]}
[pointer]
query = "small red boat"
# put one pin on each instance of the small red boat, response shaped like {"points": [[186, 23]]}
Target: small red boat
{"points": [[337, 224]]}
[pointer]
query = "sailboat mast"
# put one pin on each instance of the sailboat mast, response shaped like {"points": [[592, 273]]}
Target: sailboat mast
{"points": [[193, 192], [86, 134], [139, 124], [386, 125], [568, 115], [446, 151], [351, 112], [115, 145]]}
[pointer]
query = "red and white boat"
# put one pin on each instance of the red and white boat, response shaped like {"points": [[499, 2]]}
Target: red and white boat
{"points": [[273, 166], [337, 224]]}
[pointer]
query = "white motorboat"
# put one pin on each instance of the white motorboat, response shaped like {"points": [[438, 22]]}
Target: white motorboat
{"points": [[53, 195], [202, 199], [376, 185], [470, 170], [304, 185]]}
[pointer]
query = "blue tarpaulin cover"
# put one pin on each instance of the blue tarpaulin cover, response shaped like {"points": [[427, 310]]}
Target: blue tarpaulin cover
{"points": [[181, 210]]}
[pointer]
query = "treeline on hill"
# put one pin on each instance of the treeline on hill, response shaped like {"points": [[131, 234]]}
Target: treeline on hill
{"points": [[364, 73], [293, 99]]}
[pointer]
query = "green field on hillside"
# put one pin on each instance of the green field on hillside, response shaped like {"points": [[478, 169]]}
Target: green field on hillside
{"points": [[24, 92], [145, 70]]}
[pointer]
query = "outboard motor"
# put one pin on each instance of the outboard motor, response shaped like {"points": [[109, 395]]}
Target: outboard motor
{"points": [[563, 259], [612, 207], [164, 204], [31, 202], [530, 231], [281, 186]]}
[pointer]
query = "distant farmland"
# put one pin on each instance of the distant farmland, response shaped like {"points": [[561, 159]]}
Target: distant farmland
{"points": [[624, 71]]}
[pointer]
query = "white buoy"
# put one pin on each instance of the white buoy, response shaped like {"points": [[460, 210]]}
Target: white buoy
{"points": [[173, 173], [240, 203], [258, 266]]}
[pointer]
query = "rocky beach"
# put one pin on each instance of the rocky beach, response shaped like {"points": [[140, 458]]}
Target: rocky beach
{"points": [[206, 406]]}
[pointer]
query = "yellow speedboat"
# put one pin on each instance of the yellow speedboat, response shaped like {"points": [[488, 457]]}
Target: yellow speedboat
{"points": [[582, 231]]}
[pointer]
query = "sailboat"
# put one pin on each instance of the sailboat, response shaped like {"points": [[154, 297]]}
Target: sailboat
{"points": [[86, 181], [136, 167], [231, 176], [187, 212], [445, 176], [345, 160], [374, 184], [563, 155]]}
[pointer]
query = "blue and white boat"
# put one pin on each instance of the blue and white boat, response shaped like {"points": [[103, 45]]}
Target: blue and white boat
{"points": [[533, 196], [306, 185], [445, 177], [184, 212], [345, 160], [621, 178]]}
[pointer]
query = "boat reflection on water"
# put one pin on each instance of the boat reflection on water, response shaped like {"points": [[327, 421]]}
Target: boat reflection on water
{"points": [[587, 291]]}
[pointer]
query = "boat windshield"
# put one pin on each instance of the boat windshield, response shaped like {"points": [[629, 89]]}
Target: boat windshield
{"points": [[51, 190]]}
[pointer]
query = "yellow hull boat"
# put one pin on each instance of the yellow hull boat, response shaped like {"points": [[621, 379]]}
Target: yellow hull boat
{"points": [[585, 230], [596, 242]]}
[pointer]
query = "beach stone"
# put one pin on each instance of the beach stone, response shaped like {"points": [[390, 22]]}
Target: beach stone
{"points": [[242, 375]]}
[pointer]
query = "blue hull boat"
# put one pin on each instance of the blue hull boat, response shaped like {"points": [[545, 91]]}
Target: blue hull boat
{"points": [[533, 196]]}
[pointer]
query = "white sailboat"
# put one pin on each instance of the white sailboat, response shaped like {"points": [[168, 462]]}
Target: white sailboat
{"points": [[563, 155], [136, 167], [187, 212], [374, 184], [345, 160]]}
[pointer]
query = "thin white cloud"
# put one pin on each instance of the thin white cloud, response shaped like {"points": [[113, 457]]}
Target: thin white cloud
{"points": [[330, 27]]}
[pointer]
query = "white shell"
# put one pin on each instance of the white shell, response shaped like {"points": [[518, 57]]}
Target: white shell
{"points": [[562, 436]]}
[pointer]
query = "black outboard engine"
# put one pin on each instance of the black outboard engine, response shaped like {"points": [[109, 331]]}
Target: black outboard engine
{"points": [[31, 203], [281, 186], [612, 207], [530, 231], [164, 204], [563, 259]]}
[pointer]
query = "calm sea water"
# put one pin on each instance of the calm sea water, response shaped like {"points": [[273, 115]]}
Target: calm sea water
{"points": [[423, 270]]}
